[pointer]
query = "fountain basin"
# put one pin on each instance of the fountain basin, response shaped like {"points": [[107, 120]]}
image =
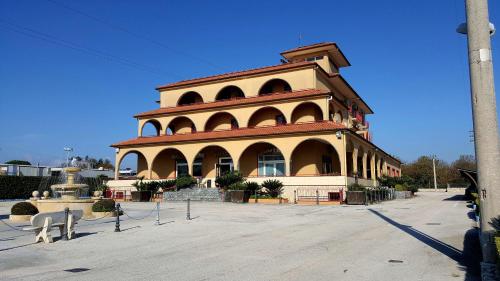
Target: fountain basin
{"points": [[68, 191], [58, 205]]}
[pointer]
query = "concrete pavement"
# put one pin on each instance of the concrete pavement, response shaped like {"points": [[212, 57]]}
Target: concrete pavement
{"points": [[415, 239]]}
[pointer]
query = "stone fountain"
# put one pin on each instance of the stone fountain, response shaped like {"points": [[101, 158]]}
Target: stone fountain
{"points": [[69, 193], [69, 190]]}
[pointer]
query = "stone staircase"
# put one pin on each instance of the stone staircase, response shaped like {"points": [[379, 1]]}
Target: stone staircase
{"points": [[195, 194]]}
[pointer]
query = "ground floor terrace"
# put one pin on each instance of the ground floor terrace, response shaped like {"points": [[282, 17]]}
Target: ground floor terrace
{"points": [[318, 154]]}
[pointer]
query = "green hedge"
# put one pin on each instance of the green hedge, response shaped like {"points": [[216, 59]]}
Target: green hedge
{"points": [[14, 187], [21, 187]]}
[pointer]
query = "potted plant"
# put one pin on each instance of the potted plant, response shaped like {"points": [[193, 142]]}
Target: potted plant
{"points": [[143, 193], [273, 191], [104, 208], [356, 194], [238, 192], [22, 211], [226, 180], [100, 190]]}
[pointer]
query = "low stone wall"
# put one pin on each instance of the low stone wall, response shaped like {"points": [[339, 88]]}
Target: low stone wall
{"points": [[402, 194], [195, 194]]}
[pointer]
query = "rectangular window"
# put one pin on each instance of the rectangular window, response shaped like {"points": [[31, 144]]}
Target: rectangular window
{"points": [[271, 165]]}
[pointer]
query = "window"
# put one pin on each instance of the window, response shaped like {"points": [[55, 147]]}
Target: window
{"points": [[197, 167], [225, 165], [314, 58], [181, 168], [271, 164], [327, 165], [280, 119], [234, 123]]}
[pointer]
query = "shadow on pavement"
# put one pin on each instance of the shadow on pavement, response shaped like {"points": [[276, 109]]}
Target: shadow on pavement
{"points": [[468, 259], [458, 197]]}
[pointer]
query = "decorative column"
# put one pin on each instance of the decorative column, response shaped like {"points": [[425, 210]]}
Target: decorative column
{"points": [[373, 170], [355, 161], [377, 168], [365, 172]]}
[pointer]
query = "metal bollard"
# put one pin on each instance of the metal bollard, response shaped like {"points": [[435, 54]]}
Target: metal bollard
{"points": [[117, 225], [157, 222], [317, 197], [256, 199], [65, 228], [295, 197], [188, 214]]}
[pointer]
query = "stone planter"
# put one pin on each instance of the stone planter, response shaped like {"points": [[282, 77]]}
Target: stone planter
{"points": [[104, 214], [269, 201], [239, 196], [141, 196], [19, 218]]}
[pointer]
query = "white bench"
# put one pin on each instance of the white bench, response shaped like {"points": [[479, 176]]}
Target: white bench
{"points": [[42, 224]]}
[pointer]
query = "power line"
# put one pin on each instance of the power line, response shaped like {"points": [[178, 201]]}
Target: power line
{"points": [[135, 34], [61, 42]]}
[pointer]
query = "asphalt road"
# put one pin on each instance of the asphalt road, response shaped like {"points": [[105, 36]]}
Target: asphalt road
{"points": [[415, 239]]}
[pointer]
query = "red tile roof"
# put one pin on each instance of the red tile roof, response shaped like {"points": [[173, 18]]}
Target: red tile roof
{"points": [[310, 47], [236, 74], [233, 102], [238, 133]]}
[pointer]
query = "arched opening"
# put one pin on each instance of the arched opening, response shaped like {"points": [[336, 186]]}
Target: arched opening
{"points": [[307, 112], [221, 121], [262, 160], [212, 161], [338, 117], [190, 98], [275, 86], [132, 165], [169, 163], [230, 92], [180, 125], [151, 128], [315, 157], [267, 116]]}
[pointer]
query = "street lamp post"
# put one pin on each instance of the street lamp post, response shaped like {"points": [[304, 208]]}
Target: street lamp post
{"points": [[68, 150], [485, 122]]}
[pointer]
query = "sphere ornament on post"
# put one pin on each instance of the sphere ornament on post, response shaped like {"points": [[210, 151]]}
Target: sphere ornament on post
{"points": [[35, 194], [46, 194]]}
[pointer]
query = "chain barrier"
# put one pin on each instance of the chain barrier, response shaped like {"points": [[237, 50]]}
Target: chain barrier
{"points": [[99, 218], [13, 227], [135, 218]]}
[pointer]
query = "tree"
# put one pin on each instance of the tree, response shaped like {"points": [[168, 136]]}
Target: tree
{"points": [[18, 162]]}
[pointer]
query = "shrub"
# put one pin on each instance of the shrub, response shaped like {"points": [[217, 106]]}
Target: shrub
{"points": [[184, 182], [274, 188], [252, 186], [356, 187], [167, 184], [237, 186], [102, 187], [227, 179], [105, 205], [24, 208], [401, 187]]}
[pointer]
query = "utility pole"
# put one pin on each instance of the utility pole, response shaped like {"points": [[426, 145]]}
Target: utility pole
{"points": [[485, 122], [434, 171]]}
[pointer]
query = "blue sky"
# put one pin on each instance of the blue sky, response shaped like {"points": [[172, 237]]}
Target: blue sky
{"points": [[408, 63]]}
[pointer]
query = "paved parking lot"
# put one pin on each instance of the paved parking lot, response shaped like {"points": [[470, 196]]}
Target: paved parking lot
{"points": [[416, 239]]}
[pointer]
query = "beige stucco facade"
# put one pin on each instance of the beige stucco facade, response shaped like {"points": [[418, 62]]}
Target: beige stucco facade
{"points": [[299, 122]]}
